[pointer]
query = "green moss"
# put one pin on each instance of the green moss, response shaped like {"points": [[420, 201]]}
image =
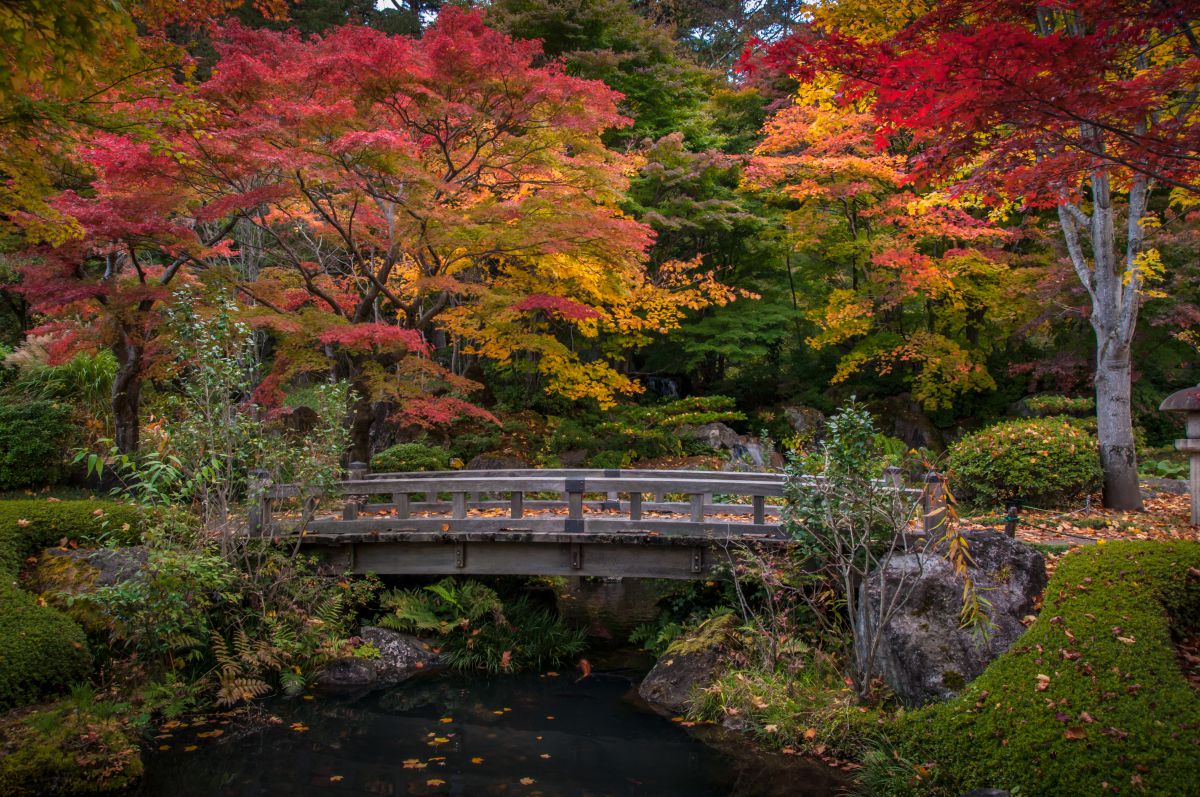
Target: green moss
{"points": [[28, 525], [1091, 694], [42, 651], [63, 750]]}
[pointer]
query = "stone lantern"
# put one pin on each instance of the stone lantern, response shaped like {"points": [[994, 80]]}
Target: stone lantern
{"points": [[1187, 401]]}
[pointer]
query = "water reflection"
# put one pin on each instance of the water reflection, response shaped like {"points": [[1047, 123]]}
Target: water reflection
{"points": [[519, 735]]}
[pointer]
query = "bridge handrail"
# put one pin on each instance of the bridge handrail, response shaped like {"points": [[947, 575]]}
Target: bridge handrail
{"points": [[573, 485]]}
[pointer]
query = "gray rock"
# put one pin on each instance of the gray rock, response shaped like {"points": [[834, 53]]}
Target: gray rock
{"points": [[805, 420], [673, 682], [903, 417], [496, 462], [348, 673], [111, 565], [923, 654], [1154, 486], [573, 458], [401, 656], [714, 435]]}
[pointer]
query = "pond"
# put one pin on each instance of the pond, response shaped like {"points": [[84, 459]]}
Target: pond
{"points": [[521, 735]]}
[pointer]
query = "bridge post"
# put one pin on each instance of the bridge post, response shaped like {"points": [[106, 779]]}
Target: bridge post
{"points": [[575, 490], [635, 506], [516, 503], [260, 503], [760, 509], [697, 507], [933, 505], [357, 471]]}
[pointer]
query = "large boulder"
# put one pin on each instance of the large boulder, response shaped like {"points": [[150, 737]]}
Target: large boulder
{"points": [[494, 461], [806, 421], [923, 653], [401, 657], [903, 417], [78, 570], [675, 680], [714, 435]]}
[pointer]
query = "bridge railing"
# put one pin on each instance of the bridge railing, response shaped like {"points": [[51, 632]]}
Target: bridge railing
{"points": [[567, 501]]}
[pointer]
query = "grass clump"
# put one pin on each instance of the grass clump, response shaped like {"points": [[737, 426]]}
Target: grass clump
{"points": [[67, 749], [1091, 699]]}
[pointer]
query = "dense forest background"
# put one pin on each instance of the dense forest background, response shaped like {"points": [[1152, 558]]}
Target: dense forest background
{"points": [[817, 267]]}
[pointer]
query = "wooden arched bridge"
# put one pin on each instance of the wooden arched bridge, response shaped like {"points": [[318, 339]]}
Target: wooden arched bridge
{"points": [[635, 523]]}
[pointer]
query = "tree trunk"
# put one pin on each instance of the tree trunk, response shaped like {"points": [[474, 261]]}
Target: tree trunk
{"points": [[126, 394], [1113, 284], [1114, 428], [362, 418]]}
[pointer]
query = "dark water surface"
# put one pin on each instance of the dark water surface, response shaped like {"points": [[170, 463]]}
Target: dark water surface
{"points": [[525, 736]]}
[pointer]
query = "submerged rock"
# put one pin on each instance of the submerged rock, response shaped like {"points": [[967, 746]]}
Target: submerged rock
{"points": [[923, 652], [401, 657], [676, 679], [85, 569]]}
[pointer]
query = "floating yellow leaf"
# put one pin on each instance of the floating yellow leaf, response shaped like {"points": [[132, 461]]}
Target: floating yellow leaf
{"points": [[446, 720], [164, 747], [190, 748], [336, 778], [435, 782], [476, 760], [527, 781], [210, 734]]}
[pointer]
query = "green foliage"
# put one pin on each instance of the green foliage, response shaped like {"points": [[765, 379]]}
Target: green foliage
{"points": [[33, 438], [479, 631], [67, 749], [85, 381], [27, 525], [630, 433], [407, 457], [42, 651], [1091, 694], [1163, 469], [1043, 462], [1050, 404], [803, 708]]}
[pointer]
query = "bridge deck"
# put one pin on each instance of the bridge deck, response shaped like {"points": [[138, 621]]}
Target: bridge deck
{"points": [[548, 522]]}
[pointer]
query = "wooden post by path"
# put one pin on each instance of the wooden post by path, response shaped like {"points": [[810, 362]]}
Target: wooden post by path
{"points": [[260, 503], [933, 505]]}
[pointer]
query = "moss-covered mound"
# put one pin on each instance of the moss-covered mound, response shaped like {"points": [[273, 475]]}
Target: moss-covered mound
{"points": [[41, 649], [64, 750], [27, 525], [1090, 700]]}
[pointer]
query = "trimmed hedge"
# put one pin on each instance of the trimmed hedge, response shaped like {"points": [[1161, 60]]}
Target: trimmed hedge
{"points": [[1091, 694], [1043, 461], [407, 457], [33, 437], [27, 525], [42, 651]]}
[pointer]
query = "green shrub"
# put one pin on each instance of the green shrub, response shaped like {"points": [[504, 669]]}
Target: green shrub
{"points": [[34, 438], [27, 525], [1091, 694], [1043, 461], [67, 750], [1049, 404], [42, 651], [405, 457]]}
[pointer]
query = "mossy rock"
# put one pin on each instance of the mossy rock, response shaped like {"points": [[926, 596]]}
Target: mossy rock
{"points": [[62, 750], [29, 525], [42, 651], [1091, 695]]}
